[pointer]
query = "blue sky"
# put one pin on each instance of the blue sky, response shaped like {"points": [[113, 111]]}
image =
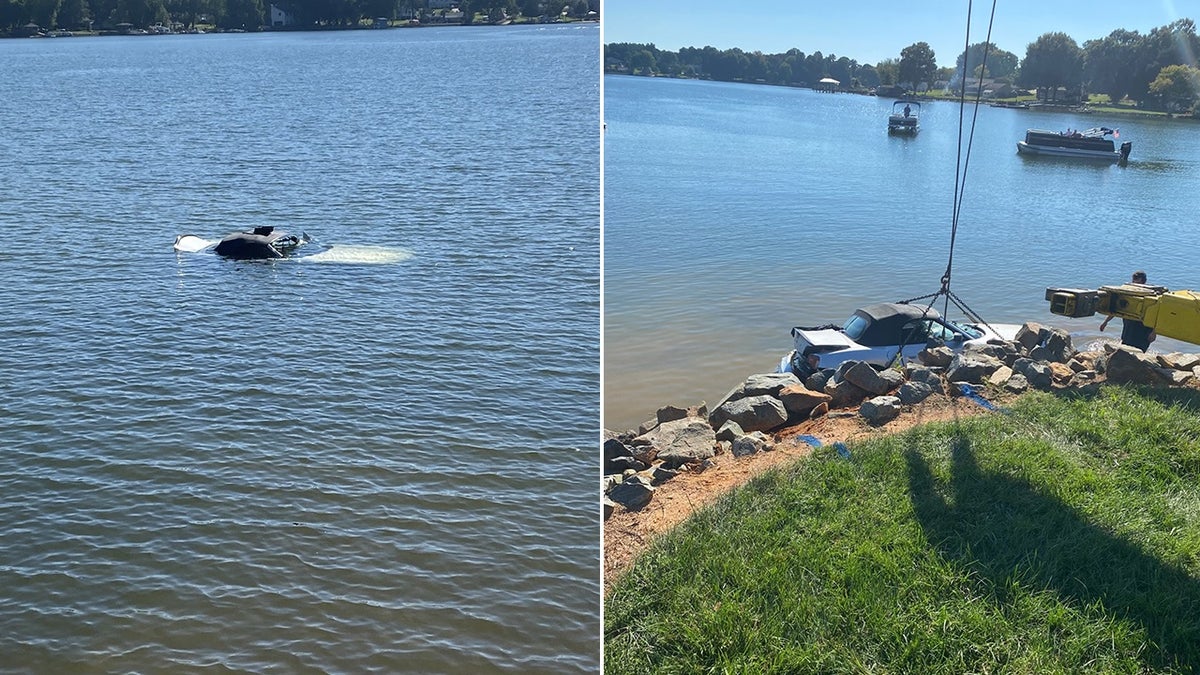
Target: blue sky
{"points": [[869, 31]]}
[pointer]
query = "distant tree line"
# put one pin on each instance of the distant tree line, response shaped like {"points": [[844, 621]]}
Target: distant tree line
{"points": [[1153, 70], [252, 14]]}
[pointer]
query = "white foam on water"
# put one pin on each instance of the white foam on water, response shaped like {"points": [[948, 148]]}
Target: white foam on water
{"points": [[360, 255], [190, 243]]}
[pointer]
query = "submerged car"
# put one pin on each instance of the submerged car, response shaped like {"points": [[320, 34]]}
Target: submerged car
{"points": [[883, 335], [261, 242], [264, 242]]}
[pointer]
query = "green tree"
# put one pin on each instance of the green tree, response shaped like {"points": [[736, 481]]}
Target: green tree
{"points": [[104, 12], [143, 13], [1052, 61], [755, 67], [531, 8], [13, 13], [74, 14], [917, 64], [667, 63], [188, 11], [888, 71], [842, 70], [1177, 86], [44, 12], [784, 73], [1110, 64], [243, 14], [642, 62], [376, 8], [999, 62], [1168, 45], [868, 76]]}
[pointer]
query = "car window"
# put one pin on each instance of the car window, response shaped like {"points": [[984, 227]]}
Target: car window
{"points": [[855, 327], [916, 331], [970, 331], [940, 331]]}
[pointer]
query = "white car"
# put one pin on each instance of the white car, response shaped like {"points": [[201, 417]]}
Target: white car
{"points": [[883, 335]]}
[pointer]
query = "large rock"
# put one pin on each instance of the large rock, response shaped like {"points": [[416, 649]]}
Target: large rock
{"points": [[1001, 376], [972, 367], [623, 464], [1037, 374], [1031, 335], [912, 393], [682, 441], [844, 394], [864, 376], [767, 384], [1058, 343], [753, 413], [1180, 378], [1086, 361], [634, 493], [1130, 366], [1017, 384], [670, 413], [818, 380], [799, 400], [1178, 361], [1061, 373], [661, 474], [880, 410], [750, 444], [938, 357], [615, 455], [732, 395], [927, 376], [730, 431]]}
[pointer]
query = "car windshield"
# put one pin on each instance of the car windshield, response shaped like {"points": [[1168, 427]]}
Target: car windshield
{"points": [[855, 327], [970, 331]]}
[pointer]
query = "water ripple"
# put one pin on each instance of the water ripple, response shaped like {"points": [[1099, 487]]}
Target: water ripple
{"points": [[373, 459]]}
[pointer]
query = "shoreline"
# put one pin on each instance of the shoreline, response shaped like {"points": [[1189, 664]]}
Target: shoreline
{"points": [[1013, 103], [213, 30], [663, 480]]}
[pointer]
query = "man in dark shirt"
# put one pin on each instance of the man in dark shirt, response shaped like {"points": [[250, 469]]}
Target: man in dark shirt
{"points": [[1133, 332]]}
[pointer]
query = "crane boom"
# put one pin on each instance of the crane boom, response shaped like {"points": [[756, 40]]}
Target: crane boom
{"points": [[1173, 314]]}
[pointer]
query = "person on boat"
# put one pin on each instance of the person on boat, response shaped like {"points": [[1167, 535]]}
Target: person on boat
{"points": [[1133, 332], [907, 110]]}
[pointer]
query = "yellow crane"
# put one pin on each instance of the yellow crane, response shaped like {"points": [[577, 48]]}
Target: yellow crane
{"points": [[1173, 314]]}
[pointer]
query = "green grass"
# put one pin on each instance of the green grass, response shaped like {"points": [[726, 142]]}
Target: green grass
{"points": [[1061, 538]]}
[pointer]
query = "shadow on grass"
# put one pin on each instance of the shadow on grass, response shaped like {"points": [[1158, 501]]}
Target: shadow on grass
{"points": [[1005, 530]]}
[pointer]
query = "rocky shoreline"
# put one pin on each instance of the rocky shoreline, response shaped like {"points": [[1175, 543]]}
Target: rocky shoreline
{"points": [[679, 444]]}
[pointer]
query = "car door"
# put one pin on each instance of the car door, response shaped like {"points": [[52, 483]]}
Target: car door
{"points": [[914, 335]]}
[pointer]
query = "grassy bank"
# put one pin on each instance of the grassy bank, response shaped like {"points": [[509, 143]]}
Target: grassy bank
{"points": [[1063, 537]]}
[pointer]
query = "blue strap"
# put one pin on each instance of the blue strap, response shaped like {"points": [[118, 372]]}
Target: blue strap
{"points": [[811, 440], [968, 391], [842, 450]]}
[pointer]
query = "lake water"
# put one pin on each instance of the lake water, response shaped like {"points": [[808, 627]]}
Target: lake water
{"points": [[378, 459], [733, 212]]}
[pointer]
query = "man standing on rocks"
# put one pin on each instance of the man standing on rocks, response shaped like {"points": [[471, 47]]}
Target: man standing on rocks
{"points": [[1133, 332]]}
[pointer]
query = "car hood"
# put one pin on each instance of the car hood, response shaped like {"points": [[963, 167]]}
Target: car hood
{"points": [[1006, 331]]}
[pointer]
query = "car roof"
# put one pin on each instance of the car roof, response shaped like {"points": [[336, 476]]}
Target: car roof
{"points": [[886, 320], [885, 310]]}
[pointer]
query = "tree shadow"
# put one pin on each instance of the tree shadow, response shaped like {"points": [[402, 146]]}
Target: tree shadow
{"points": [[1004, 529]]}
